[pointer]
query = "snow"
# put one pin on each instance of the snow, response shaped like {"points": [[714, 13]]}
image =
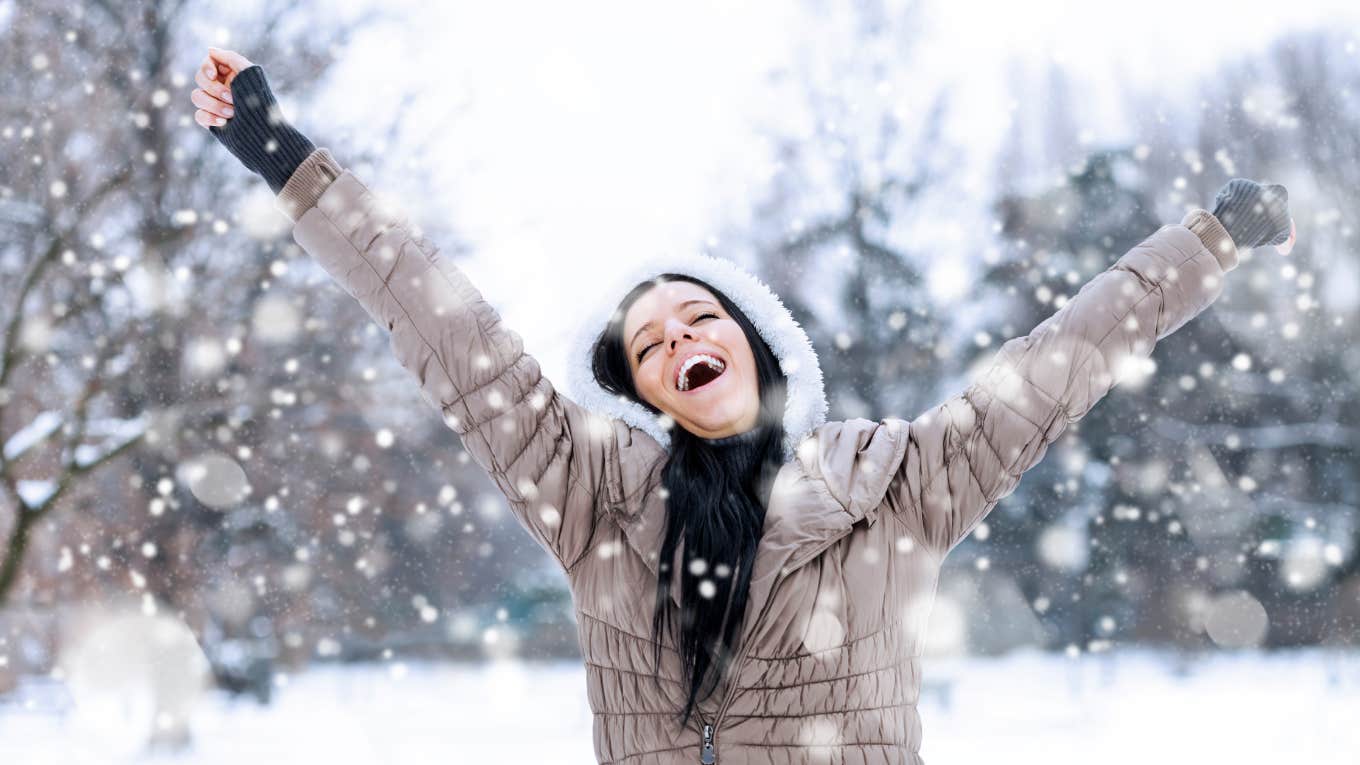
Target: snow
{"points": [[1127, 706], [116, 432], [34, 493], [33, 433], [566, 148]]}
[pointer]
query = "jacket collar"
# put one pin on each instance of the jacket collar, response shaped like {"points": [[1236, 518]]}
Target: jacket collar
{"points": [[837, 479]]}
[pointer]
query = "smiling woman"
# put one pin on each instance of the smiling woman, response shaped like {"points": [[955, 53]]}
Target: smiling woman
{"points": [[690, 359], [687, 352]]}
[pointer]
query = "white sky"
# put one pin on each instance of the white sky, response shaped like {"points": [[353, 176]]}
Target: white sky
{"points": [[567, 137]]}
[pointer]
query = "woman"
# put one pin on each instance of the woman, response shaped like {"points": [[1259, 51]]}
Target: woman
{"points": [[748, 578]]}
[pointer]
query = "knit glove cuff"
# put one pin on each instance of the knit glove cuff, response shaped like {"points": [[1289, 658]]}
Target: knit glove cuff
{"points": [[257, 134], [1253, 214]]}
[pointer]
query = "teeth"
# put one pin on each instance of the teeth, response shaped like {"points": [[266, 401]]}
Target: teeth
{"points": [[682, 382]]}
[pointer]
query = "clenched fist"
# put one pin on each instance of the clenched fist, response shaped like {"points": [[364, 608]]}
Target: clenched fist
{"points": [[1256, 214]]}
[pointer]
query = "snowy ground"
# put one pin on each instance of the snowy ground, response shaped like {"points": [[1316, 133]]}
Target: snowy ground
{"points": [[1113, 708]]}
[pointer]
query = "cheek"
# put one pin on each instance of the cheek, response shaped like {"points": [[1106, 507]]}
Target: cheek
{"points": [[736, 341], [647, 379]]}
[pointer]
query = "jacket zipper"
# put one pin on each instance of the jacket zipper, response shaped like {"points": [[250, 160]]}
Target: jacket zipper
{"points": [[709, 751]]}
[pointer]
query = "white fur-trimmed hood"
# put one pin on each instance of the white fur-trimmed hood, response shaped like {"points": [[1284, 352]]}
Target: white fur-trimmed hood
{"points": [[806, 405]]}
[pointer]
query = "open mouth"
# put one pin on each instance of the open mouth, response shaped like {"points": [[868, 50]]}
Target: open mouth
{"points": [[697, 371]]}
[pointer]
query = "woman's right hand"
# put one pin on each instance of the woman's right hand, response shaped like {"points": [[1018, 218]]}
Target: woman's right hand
{"points": [[1288, 246], [213, 94]]}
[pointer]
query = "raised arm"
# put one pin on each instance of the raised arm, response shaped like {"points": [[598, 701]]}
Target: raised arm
{"points": [[967, 453], [551, 458]]}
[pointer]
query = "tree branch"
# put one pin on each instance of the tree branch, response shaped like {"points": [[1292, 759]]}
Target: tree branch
{"points": [[1281, 436]]}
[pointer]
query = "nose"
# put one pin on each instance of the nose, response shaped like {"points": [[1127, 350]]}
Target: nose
{"points": [[677, 330]]}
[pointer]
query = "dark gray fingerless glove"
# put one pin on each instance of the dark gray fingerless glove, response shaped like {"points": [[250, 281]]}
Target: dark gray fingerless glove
{"points": [[257, 134], [1253, 214]]}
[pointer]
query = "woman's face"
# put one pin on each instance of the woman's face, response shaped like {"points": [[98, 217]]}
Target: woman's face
{"points": [[691, 360]]}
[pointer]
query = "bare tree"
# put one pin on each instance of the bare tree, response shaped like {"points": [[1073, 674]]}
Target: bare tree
{"points": [[101, 186]]}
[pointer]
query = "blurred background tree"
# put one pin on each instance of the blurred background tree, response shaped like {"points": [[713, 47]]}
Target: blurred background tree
{"points": [[188, 406]]}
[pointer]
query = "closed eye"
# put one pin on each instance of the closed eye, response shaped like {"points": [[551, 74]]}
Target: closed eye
{"points": [[644, 350]]}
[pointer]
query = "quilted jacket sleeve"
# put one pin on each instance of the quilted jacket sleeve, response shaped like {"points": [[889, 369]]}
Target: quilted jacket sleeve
{"points": [[548, 456], [967, 453]]}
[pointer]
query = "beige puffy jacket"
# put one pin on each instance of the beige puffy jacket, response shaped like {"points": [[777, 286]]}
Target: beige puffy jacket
{"points": [[827, 667]]}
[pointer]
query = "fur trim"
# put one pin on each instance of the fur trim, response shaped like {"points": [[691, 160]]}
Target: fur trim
{"points": [[806, 407]]}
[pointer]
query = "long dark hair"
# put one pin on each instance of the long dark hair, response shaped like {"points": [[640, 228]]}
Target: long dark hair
{"points": [[716, 494]]}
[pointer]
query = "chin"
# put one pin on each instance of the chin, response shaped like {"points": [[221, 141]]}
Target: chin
{"points": [[712, 425]]}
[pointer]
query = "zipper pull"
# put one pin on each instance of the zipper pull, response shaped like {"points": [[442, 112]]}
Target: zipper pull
{"points": [[707, 755]]}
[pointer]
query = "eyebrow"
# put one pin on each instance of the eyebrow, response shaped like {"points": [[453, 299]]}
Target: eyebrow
{"points": [[682, 305]]}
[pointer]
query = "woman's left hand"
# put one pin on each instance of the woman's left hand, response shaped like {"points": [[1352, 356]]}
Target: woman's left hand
{"points": [[240, 111], [1285, 248], [213, 94]]}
